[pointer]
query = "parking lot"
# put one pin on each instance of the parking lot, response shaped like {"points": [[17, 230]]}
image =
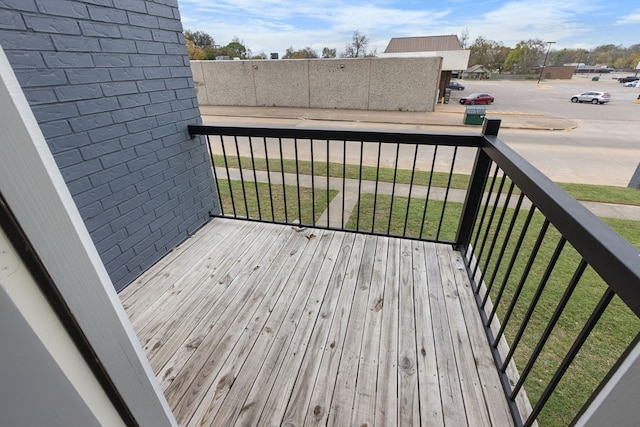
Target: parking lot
{"points": [[604, 147]]}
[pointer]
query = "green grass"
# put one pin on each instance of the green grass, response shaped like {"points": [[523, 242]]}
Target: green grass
{"points": [[584, 192], [302, 211]]}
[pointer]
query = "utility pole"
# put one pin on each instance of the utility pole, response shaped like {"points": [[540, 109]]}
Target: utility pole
{"points": [[545, 61]]}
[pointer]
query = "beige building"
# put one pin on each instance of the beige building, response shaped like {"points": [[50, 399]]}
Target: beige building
{"points": [[454, 57]]}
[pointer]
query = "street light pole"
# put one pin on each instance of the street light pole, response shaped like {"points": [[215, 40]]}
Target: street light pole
{"points": [[545, 61]]}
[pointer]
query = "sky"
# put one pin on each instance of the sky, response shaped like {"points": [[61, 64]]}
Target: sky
{"points": [[266, 26]]}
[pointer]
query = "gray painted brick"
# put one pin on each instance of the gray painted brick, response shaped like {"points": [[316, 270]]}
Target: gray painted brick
{"points": [[175, 49], [170, 24], [98, 150], [139, 240], [85, 168], [153, 204], [147, 256], [108, 253], [170, 225], [89, 122], [165, 36], [106, 217], [159, 10], [118, 45], [47, 113], [117, 268], [158, 109], [91, 210], [25, 41], [143, 124], [96, 193], [52, 25], [97, 105], [191, 115], [117, 197], [137, 100], [136, 33], [145, 61], [39, 78], [126, 181], [160, 189], [68, 60], [164, 96], [157, 73], [123, 74], [154, 169], [102, 233], [172, 61], [156, 48], [129, 114], [27, 5], [142, 20], [151, 85], [140, 163], [108, 132], [78, 93], [53, 129], [107, 14], [93, 75], [132, 5], [118, 88], [106, 60], [168, 118], [172, 3], [163, 131], [180, 72], [133, 202], [177, 83], [125, 219], [67, 142], [70, 9], [169, 240], [104, 3], [188, 93], [166, 207], [75, 43], [109, 240], [95, 29], [11, 20], [184, 104], [135, 139], [79, 185], [108, 175], [26, 59], [68, 158]]}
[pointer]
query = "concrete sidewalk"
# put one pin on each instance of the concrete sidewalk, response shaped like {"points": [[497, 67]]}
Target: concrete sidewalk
{"points": [[445, 115]]}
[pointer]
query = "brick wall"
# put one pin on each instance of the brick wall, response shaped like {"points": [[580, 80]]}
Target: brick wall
{"points": [[110, 85]]}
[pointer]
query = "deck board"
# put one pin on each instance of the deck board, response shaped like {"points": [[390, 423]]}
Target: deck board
{"points": [[260, 324]]}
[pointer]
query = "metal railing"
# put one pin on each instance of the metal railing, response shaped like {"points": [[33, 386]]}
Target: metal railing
{"points": [[544, 270]]}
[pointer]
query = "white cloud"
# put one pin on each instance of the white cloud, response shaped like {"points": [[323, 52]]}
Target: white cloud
{"points": [[633, 18]]}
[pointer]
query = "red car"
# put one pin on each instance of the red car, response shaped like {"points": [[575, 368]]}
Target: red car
{"points": [[477, 98]]}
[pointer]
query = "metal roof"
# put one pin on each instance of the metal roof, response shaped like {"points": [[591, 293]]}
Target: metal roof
{"points": [[423, 44]]}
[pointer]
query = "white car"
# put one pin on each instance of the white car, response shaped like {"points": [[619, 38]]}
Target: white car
{"points": [[633, 84], [592, 97]]}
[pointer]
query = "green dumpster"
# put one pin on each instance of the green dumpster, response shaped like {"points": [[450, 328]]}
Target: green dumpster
{"points": [[595, 79], [474, 115]]}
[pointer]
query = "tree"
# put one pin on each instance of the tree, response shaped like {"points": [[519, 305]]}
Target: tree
{"points": [[307, 52], [358, 46], [194, 52], [328, 53], [526, 56], [489, 53], [237, 49], [464, 38], [199, 38]]}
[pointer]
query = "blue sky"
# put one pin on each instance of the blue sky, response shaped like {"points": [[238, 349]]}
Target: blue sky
{"points": [[274, 25]]}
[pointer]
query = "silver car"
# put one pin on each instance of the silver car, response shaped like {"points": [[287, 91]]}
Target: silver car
{"points": [[592, 97]]}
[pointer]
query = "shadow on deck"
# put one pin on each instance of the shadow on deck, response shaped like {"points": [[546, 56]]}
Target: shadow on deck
{"points": [[249, 323]]}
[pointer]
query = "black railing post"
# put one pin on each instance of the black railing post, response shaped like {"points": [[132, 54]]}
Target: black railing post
{"points": [[479, 177]]}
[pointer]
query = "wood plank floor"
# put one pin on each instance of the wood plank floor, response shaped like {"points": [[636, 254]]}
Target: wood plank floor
{"points": [[258, 324]]}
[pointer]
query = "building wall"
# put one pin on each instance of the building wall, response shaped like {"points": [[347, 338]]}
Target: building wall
{"points": [[564, 73], [110, 85], [392, 84]]}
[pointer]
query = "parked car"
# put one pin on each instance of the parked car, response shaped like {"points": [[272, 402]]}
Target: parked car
{"points": [[635, 83], [456, 86], [628, 79], [592, 97], [477, 98]]}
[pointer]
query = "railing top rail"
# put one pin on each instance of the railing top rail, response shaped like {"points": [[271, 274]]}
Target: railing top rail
{"points": [[610, 255], [406, 137]]}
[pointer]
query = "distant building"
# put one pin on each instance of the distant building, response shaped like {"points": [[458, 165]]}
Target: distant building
{"points": [[454, 57]]}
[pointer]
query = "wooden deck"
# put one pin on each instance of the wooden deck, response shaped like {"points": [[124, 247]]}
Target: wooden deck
{"points": [[258, 324]]}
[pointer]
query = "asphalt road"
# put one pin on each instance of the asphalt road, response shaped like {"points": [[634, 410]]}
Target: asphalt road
{"points": [[603, 149]]}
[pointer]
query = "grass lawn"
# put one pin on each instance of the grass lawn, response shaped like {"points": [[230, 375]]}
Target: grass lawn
{"points": [[585, 192]]}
